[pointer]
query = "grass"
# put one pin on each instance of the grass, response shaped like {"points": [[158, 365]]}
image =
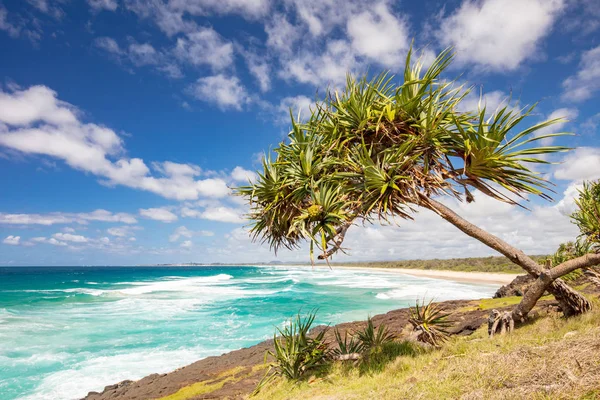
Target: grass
{"points": [[205, 387], [551, 358]]}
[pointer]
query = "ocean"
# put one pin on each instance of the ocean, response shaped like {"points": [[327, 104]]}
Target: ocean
{"points": [[65, 331]]}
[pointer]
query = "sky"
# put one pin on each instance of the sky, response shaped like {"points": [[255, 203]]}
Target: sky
{"points": [[124, 124]]}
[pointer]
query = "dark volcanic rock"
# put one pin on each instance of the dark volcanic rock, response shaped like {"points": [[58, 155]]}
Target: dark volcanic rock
{"points": [[516, 288]]}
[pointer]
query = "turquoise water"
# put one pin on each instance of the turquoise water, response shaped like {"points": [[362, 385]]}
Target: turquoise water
{"points": [[67, 331]]}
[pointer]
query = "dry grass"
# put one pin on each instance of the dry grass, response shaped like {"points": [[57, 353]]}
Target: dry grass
{"points": [[552, 358]]}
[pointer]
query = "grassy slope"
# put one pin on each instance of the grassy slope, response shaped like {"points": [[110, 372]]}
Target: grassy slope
{"points": [[552, 358], [481, 264]]}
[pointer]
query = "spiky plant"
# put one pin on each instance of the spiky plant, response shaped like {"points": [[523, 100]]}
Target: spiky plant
{"points": [[372, 339], [380, 149], [346, 345], [430, 323], [587, 215], [569, 251], [295, 353]]}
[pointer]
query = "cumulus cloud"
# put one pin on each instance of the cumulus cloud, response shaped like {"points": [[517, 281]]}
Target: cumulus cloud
{"points": [[215, 213], [321, 69], [68, 237], [51, 241], [226, 92], [204, 47], [581, 164], [498, 34], [12, 240], [586, 82], [34, 121], [300, 107], [240, 174], [568, 114], [186, 244], [378, 34], [158, 214], [491, 101], [66, 218]]}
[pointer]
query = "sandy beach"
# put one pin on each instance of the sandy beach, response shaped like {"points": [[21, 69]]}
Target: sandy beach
{"points": [[458, 276]]}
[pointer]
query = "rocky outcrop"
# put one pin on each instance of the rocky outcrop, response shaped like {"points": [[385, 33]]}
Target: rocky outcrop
{"points": [[516, 288]]}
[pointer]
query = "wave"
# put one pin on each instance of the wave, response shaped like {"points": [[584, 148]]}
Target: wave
{"points": [[95, 373]]}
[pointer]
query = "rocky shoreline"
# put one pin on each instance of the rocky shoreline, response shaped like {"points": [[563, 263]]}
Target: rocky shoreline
{"points": [[234, 375], [238, 384]]}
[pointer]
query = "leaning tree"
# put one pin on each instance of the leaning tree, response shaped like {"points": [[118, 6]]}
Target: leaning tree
{"points": [[379, 151]]}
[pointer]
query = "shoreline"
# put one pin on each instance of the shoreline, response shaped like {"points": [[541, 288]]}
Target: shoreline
{"points": [[444, 274], [457, 276]]}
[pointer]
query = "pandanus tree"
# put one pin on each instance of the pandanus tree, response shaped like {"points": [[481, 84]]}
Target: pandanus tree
{"points": [[380, 151]]}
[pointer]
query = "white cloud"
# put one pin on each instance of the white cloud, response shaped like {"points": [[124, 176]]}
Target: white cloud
{"points": [[281, 34], [186, 244], [6, 25], [98, 5], [205, 47], [215, 213], [260, 69], [498, 34], [12, 240], [492, 101], [122, 231], [51, 241], [68, 237], [379, 35], [66, 218], [586, 82], [139, 55], [321, 69], [108, 44], [223, 214], [225, 92], [581, 164], [179, 232], [143, 54], [48, 7], [182, 231], [34, 121], [170, 16], [300, 106], [38, 103], [567, 114], [158, 214], [240, 174]]}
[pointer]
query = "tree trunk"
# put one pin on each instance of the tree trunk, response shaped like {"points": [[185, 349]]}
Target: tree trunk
{"points": [[571, 302]]}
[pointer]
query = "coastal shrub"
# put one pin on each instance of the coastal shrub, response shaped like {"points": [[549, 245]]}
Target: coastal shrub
{"points": [[568, 251], [430, 323], [587, 215], [373, 340], [295, 354], [346, 345]]}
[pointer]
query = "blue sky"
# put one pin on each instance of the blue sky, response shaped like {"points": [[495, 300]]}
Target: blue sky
{"points": [[124, 122]]}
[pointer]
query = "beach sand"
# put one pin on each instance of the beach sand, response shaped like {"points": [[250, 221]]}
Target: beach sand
{"points": [[458, 276]]}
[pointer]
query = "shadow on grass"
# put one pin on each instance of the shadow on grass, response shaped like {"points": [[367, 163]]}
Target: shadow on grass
{"points": [[377, 359]]}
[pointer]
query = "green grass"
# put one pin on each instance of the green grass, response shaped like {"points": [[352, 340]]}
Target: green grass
{"points": [[551, 358]]}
